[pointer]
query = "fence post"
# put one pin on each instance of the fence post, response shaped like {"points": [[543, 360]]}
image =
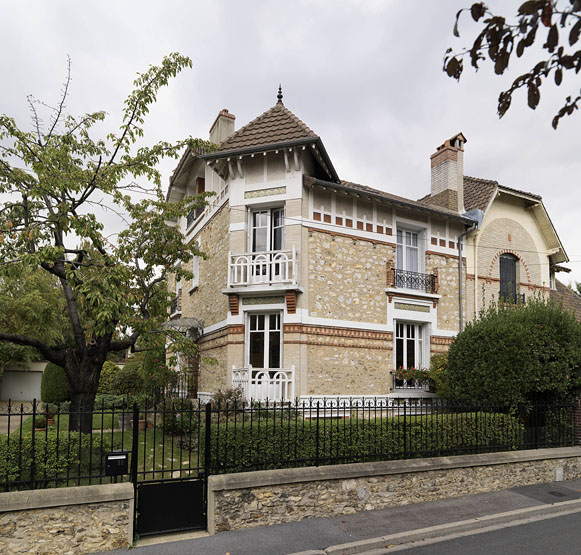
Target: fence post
{"points": [[207, 441], [33, 451], [476, 428], [317, 436], [134, 444], [405, 447]]}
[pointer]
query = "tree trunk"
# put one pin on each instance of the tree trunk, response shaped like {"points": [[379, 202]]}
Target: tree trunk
{"points": [[83, 381]]}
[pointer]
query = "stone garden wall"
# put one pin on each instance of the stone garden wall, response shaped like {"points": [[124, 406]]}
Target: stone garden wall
{"points": [[253, 499], [75, 520]]}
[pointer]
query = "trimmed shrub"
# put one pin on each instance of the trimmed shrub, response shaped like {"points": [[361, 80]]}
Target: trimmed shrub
{"points": [[517, 354], [128, 380], [54, 387], [107, 378], [438, 367], [272, 443]]}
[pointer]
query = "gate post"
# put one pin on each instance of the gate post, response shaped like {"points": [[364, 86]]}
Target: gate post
{"points": [[135, 445], [207, 443]]}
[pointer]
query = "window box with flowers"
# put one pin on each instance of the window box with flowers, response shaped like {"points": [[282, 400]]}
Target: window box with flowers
{"points": [[411, 378]]}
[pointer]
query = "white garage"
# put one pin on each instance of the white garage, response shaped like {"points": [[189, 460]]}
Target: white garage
{"points": [[22, 384]]}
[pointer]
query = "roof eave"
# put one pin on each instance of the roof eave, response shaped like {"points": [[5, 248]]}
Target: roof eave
{"points": [[409, 206]]}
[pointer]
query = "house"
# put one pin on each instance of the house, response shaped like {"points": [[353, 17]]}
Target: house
{"points": [[320, 287]]}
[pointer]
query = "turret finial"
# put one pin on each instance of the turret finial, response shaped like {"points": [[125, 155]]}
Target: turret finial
{"points": [[279, 95]]}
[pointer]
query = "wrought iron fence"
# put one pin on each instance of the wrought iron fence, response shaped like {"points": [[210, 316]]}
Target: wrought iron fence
{"points": [[181, 439], [415, 280]]}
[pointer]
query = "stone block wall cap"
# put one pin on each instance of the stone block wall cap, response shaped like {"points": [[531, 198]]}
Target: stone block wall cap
{"points": [[61, 497], [244, 480], [395, 290]]}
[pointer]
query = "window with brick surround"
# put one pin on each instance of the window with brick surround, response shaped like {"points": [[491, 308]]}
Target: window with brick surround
{"points": [[508, 277], [409, 345]]}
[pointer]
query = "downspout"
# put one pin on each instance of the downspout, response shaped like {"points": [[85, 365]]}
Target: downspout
{"points": [[460, 299]]}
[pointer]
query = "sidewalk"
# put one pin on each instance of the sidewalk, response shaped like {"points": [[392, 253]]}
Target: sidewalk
{"points": [[320, 533]]}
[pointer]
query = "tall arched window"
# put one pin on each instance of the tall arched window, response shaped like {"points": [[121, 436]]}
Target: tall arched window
{"points": [[508, 277]]}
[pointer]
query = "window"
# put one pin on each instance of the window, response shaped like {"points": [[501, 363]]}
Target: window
{"points": [[267, 230], [407, 254], [264, 340], [196, 272], [409, 345], [508, 277]]}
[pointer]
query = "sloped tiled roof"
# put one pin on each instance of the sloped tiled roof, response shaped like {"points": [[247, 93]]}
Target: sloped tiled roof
{"points": [[478, 192], [567, 298], [276, 125], [389, 196]]}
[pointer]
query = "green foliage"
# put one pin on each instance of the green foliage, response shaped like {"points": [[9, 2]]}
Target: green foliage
{"points": [[54, 387], [227, 397], [128, 380], [438, 368], [156, 375], [108, 377], [55, 178], [272, 444], [179, 418], [53, 457], [105, 401], [501, 38], [40, 422], [32, 304], [516, 354]]}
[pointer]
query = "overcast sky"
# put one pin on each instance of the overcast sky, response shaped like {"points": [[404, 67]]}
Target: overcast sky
{"points": [[364, 75]]}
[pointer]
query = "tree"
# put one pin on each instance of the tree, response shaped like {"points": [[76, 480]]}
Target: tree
{"points": [[502, 40], [57, 176], [515, 354], [31, 305]]}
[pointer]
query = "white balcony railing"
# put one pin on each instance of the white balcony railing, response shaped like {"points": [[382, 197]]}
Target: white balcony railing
{"points": [[268, 267], [259, 384]]}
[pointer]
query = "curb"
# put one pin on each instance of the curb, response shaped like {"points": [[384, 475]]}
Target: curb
{"points": [[443, 530]]}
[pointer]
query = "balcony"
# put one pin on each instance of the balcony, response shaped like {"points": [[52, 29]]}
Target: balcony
{"points": [[415, 280], [406, 379], [260, 384], [266, 268], [193, 216]]}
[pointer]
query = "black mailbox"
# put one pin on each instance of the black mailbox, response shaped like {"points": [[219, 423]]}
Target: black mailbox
{"points": [[116, 463]]}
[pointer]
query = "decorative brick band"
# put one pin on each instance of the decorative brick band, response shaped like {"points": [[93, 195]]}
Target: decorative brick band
{"points": [[441, 340], [351, 333], [445, 255]]}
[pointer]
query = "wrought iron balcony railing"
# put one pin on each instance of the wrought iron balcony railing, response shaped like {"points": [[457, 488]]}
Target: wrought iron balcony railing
{"points": [[266, 267], [260, 384], [410, 383], [415, 280]]}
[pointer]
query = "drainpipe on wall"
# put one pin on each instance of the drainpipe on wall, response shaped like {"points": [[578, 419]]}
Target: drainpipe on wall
{"points": [[460, 300]]}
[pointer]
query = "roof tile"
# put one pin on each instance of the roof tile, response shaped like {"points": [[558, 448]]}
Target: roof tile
{"points": [[276, 125]]}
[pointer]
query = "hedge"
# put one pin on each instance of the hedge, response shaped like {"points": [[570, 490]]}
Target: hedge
{"points": [[73, 454], [282, 444]]}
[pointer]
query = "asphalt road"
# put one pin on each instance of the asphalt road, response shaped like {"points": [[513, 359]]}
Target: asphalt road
{"points": [[559, 535]]}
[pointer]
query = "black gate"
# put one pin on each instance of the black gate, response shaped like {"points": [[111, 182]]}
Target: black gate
{"points": [[169, 468]]}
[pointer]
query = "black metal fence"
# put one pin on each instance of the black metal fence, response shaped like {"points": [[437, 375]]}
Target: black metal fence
{"points": [[183, 439]]}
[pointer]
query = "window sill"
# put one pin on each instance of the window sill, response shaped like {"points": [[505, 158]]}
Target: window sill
{"points": [[193, 290]]}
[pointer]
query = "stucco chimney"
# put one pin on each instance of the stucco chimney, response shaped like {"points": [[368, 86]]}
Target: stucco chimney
{"points": [[448, 174], [222, 127]]}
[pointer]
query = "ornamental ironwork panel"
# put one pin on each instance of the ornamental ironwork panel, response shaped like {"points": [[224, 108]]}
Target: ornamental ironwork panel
{"points": [[415, 280]]}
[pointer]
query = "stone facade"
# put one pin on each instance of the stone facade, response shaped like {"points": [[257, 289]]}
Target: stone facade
{"points": [[207, 302], [65, 524], [347, 278], [295, 494]]}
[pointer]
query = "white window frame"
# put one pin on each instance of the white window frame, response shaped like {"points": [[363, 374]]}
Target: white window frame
{"points": [[401, 262], [247, 333], [269, 225], [421, 343], [196, 272]]}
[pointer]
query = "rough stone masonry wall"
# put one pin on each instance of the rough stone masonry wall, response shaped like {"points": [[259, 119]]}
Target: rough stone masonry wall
{"points": [[343, 365], [347, 278], [66, 528], [277, 496], [447, 269]]}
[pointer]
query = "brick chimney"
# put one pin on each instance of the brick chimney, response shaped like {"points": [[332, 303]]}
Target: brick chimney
{"points": [[448, 174], [222, 127]]}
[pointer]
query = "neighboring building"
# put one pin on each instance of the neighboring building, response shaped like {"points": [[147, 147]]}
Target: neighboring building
{"points": [[21, 383], [317, 287]]}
